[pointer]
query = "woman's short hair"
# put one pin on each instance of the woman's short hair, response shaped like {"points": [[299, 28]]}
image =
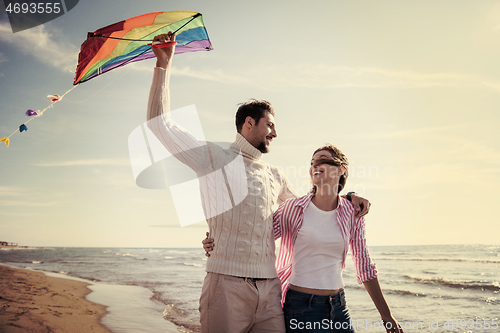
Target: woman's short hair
{"points": [[340, 159], [253, 108]]}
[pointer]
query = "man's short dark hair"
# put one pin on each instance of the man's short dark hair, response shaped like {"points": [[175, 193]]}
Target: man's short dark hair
{"points": [[253, 108]]}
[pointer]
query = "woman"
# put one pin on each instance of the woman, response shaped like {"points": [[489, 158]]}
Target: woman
{"points": [[316, 231]]}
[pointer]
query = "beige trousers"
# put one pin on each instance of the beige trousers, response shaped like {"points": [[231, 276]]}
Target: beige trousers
{"points": [[231, 304]]}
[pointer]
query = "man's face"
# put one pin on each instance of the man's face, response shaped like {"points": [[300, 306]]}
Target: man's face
{"points": [[263, 133]]}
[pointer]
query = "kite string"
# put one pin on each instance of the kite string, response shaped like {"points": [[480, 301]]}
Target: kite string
{"points": [[61, 97], [41, 112], [97, 92]]}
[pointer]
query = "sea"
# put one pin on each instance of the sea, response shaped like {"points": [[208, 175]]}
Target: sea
{"points": [[432, 288]]}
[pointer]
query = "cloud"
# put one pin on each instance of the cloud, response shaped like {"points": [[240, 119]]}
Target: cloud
{"points": [[52, 49], [492, 85], [27, 203], [96, 162], [14, 196], [483, 152], [49, 47], [3, 58], [218, 75], [441, 177], [226, 75], [410, 133], [284, 76], [12, 191], [22, 214]]}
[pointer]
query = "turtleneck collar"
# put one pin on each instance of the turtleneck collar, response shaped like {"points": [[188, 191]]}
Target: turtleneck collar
{"points": [[246, 148]]}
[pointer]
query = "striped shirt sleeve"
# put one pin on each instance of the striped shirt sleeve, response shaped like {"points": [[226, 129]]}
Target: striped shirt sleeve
{"points": [[365, 268], [278, 222]]}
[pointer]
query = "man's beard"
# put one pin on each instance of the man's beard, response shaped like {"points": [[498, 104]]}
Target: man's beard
{"points": [[263, 148]]}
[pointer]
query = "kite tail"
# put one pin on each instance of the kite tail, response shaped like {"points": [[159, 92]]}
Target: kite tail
{"points": [[31, 113]]}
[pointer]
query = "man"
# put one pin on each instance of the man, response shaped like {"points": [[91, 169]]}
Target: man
{"points": [[241, 291]]}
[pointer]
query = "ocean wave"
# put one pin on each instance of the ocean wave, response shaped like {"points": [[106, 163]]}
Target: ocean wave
{"points": [[169, 258], [354, 286], [472, 300], [492, 301], [449, 297], [460, 284], [192, 264], [388, 291], [80, 276], [180, 318], [187, 321], [429, 272], [403, 293], [484, 261], [37, 262], [180, 252]]}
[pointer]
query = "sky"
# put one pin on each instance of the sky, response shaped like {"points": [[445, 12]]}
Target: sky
{"points": [[408, 90]]}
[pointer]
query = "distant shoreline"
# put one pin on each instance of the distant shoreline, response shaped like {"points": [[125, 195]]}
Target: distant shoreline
{"points": [[12, 247]]}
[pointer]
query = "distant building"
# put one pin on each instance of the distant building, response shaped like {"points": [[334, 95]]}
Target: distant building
{"points": [[7, 243]]}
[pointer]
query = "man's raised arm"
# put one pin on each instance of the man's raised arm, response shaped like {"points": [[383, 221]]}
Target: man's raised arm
{"points": [[179, 142], [159, 96]]}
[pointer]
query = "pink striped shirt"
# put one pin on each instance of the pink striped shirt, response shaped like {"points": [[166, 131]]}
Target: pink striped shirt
{"points": [[287, 221]]}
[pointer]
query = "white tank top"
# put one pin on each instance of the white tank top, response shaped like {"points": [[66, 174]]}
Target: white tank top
{"points": [[318, 251]]}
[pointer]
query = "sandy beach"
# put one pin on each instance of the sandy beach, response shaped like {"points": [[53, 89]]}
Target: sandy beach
{"points": [[33, 302]]}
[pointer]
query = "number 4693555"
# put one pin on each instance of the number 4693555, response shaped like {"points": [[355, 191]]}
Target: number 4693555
{"points": [[34, 8]]}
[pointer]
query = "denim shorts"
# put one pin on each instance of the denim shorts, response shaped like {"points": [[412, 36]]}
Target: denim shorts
{"points": [[314, 313]]}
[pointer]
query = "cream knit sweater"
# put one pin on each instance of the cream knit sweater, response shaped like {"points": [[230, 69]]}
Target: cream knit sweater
{"points": [[239, 192]]}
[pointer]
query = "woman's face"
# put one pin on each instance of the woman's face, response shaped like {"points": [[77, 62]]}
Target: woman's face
{"points": [[323, 173]]}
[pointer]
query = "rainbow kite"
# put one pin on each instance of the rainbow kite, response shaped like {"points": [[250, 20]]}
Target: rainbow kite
{"points": [[129, 41]]}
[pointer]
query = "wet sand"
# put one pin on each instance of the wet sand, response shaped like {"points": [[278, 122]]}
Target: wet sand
{"points": [[33, 302]]}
